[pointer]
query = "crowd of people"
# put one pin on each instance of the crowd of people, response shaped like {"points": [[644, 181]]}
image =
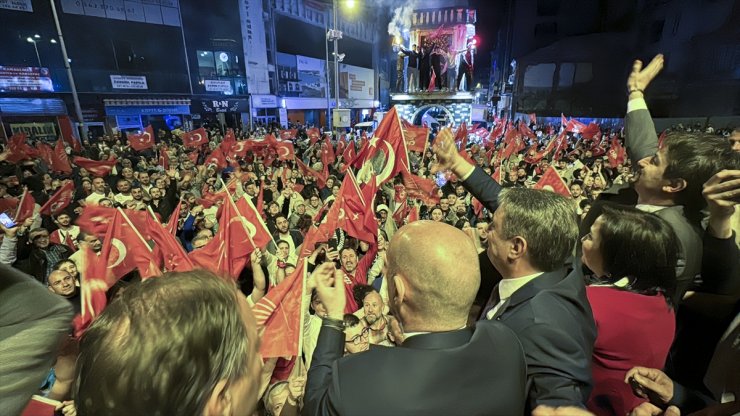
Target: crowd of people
{"points": [[535, 269]]}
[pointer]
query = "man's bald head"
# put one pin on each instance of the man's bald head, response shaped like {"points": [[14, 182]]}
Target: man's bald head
{"points": [[433, 276]]}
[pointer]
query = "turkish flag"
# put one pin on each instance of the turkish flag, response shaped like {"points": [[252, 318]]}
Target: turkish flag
{"points": [[126, 249], [19, 149], [60, 200], [497, 174], [217, 158], [350, 211], [172, 224], [45, 153], [513, 144], [574, 126], [413, 215], [167, 249], [67, 131], [285, 150], [94, 284], [432, 81], [561, 143], [420, 188], [142, 141], [279, 313], [386, 152], [228, 142], [416, 138], [25, 208], [461, 136], [590, 131], [258, 230], [8, 205], [551, 181], [227, 253], [616, 154], [526, 131], [306, 171], [313, 135], [497, 131], [95, 167], [349, 154], [327, 152], [288, 134], [59, 159], [341, 144], [95, 219], [195, 138], [164, 158]]}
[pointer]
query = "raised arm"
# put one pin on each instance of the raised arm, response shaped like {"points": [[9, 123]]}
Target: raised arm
{"points": [[640, 136]]}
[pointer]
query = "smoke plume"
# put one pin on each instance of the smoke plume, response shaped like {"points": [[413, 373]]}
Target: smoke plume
{"points": [[401, 19]]}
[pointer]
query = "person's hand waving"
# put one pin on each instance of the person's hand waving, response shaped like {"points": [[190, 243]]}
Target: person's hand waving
{"points": [[330, 288], [448, 157], [640, 77]]}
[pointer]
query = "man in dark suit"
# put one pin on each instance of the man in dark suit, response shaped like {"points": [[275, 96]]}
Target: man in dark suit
{"points": [[442, 366], [531, 237]]}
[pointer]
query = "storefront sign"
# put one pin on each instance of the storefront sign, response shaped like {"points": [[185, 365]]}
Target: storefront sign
{"points": [[35, 130], [17, 5], [159, 12], [222, 106], [218, 85], [128, 82], [264, 101], [146, 110], [24, 78]]}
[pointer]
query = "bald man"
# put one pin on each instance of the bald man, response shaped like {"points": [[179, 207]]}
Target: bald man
{"points": [[433, 276]]}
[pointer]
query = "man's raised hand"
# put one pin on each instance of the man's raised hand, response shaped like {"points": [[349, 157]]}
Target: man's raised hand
{"points": [[330, 288], [640, 77], [448, 157]]}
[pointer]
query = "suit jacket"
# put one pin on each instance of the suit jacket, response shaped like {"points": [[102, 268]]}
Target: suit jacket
{"points": [[553, 320], [463, 372]]}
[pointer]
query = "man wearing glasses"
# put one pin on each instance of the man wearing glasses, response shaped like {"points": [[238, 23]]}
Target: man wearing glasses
{"points": [[63, 284], [356, 335]]}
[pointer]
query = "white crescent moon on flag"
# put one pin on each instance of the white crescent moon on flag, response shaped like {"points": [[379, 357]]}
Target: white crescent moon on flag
{"points": [[281, 154], [341, 213], [389, 164], [250, 227], [121, 252], [148, 137], [238, 147], [200, 137]]}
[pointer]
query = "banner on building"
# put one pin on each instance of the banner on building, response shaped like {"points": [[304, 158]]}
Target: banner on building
{"points": [[128, 82], [159, 12], [221, 106], [17, 5], [264, 101], [25, 78], [255, 46], [46, 130], [356, 82], [219, 85], [312, 76]]}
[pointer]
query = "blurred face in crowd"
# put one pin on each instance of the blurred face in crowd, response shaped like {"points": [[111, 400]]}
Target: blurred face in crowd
{"points": [[62, 283], [155, 193], [356, 339], [144, 178], [482, 229], [383, 215], [69, 267], [460, 191], [382, 243], [274, 209], [123, 186], [349, 260], [46, 179], [576, 190], [86, 186], [314, 201], [63, 220], [92, 242], [283, 250], [98, 185], [300, 209], [335, 190], [55, 184], [588, 181], [513, 177], [437, 215], [591, 243], [373, 307], [161, 183], [330, 183], [598, 182], [460, 207], [282, 224], [137, 194], [735, 140], [251, 189], [444, 204], [128, 173], [451, 199], [41, 240], [107, 203]]}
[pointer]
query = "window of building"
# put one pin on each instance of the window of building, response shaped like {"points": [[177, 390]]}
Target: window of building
{"points": [[539, 76], [206, 64]]}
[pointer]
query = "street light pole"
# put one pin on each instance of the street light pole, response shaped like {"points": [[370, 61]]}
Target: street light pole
{"points": [[75, 98], [336, 59], [36, 48]]}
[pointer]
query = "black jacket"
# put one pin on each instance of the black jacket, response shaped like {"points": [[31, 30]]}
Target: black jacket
{"points": [[464, 372]]}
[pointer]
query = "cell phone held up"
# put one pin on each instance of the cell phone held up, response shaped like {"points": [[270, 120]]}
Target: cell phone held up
{"points": [[6, 221]]}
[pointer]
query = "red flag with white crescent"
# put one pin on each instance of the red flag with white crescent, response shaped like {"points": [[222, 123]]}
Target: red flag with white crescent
{"points": [[195, 138], [25, 208], [59, 158], [285, 150], [142, 141], [96, 167], [313, 135], [60, 200], [551, 181]]}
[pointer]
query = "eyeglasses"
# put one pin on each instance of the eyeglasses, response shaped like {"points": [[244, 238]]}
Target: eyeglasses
{"points": [[359, 337], [60, 282]]}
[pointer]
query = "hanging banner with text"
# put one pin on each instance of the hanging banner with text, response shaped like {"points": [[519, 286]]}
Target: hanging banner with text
{"points": [[128, 82], [25, 78], [17, 5], [44, 131]]}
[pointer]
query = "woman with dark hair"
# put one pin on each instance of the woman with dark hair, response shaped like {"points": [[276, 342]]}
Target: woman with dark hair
{"points": [[633, 254]]}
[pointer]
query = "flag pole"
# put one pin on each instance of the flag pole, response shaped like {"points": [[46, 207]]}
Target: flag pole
{"points": [[138, 234], [151, 211], [241, 218], [303, 312]]}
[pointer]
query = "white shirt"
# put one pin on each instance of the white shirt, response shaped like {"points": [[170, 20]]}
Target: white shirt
{"points": [[650, 208], [507, 287]]}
